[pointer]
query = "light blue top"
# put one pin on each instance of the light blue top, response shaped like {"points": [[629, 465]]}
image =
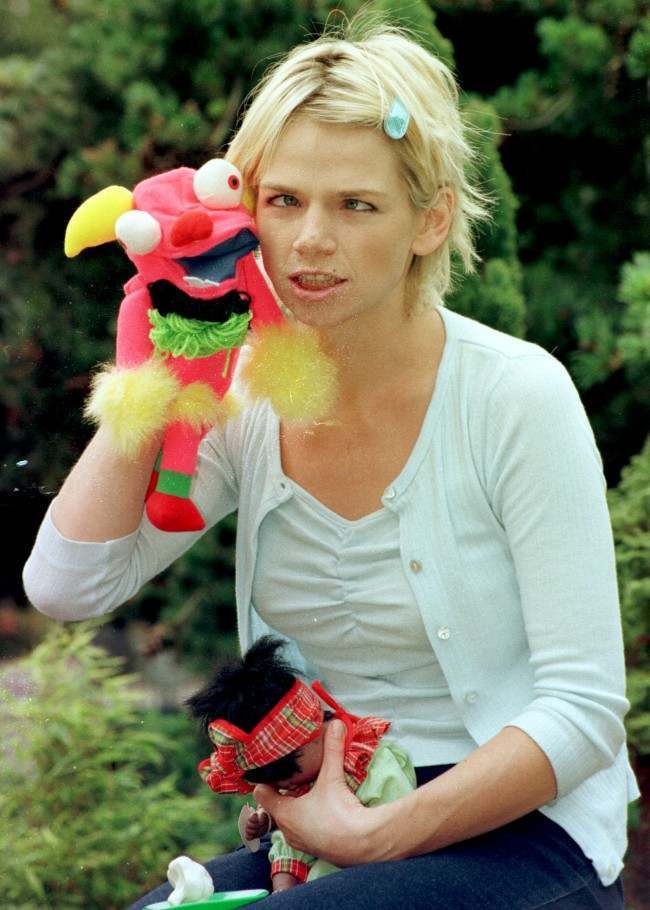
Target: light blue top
{"points": [[505, 539], [338, 588]]}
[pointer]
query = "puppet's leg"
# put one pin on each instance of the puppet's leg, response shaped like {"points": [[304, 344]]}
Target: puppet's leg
{"points": [[169, 506]]}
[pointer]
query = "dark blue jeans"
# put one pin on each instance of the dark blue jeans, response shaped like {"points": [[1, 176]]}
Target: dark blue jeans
{"points": [[527, 864]]}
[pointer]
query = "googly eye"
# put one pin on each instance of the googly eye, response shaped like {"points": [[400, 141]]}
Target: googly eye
{"points": [[218, 184], [139, 232]]}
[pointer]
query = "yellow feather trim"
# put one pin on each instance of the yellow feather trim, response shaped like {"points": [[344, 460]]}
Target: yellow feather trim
{"points": [[199, 406], [288, 366], [231, 405], [132, 402]]}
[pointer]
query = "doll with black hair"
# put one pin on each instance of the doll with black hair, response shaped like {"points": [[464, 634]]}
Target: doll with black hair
{"points": [[267, 726]]}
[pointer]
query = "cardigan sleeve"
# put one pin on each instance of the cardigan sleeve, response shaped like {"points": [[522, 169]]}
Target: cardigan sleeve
{"points": [[547, 489], [73, 580]]}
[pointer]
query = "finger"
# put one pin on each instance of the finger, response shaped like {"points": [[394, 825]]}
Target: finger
{"points": [[333, 749]]}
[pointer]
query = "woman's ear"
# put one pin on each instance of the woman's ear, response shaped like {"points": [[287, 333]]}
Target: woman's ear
{"points": [[434, 223]]}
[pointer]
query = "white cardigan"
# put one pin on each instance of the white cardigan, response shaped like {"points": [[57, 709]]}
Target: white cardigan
{"points": [[505, 539]]}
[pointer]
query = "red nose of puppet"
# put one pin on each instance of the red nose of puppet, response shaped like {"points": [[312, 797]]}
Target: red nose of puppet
{"points": [[191, 226]]}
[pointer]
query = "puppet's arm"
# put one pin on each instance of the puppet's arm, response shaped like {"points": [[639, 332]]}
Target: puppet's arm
{"points": [[286, 364], [133, 345], [132, 398]]}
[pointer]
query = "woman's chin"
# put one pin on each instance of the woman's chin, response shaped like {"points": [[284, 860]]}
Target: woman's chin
{"points": [[324, 315]]}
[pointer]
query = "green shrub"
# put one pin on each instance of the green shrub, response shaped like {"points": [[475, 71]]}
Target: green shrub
{"points": [[629, 506], [83, 820], [187, 746], [192, 603]]}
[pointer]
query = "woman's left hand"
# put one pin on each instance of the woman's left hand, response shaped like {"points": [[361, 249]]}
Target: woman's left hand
{"points": [[329, 821]]}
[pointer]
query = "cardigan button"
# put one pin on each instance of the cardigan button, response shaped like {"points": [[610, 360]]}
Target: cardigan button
{"points": [[390, 493], [471, 697], [443, 633], [415, 566]]}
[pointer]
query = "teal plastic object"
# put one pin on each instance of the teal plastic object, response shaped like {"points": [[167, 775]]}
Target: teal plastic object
{"points": [[220, 900], [396, 122]]}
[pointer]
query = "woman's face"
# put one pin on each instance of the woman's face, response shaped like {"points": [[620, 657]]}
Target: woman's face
{"points": [[333, 201]]}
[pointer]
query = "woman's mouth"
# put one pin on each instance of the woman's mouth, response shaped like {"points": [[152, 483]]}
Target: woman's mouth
{"points": [[315, 286]]}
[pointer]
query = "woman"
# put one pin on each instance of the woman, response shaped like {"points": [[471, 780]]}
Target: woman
{"points": [[438, 551]]}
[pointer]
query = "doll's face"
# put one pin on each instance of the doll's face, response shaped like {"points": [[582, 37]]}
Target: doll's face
{"points": [[310, 759]]}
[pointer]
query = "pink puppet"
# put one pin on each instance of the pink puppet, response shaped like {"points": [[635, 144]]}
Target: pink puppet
{"points": [[183, 320]]}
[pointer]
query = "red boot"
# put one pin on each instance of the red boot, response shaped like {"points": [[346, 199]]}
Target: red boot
{"points": [[173, 513]]}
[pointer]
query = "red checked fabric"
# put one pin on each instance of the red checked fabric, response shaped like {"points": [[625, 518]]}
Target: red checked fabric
{"points": [[366, 733], [294, 867], [294, 721]]}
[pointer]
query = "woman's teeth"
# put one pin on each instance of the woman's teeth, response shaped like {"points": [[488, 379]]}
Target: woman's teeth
{"points": [[317, 281]]}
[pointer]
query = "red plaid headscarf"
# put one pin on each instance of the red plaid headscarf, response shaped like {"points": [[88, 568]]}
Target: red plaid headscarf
{"points": [[293, 722]]}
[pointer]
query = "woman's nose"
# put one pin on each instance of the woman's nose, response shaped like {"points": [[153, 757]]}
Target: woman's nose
{"points": [[314, 236]]}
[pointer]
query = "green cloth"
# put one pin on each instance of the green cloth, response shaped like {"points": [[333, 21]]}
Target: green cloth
{"points": [[390, 776], [174, 483]]}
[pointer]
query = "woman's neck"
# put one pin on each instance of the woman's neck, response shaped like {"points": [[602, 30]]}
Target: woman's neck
{"points": [[375, 360]]}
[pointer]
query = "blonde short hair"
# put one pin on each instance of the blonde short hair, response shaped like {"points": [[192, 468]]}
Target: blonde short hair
{"points": [[351, 75]]}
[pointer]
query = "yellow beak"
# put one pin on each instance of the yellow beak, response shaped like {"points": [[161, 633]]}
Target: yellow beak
{"points": [[94, 221]]}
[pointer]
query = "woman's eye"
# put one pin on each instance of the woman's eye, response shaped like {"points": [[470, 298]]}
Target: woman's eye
{"points": [[368, 207], [285, 196], [288, 201]]}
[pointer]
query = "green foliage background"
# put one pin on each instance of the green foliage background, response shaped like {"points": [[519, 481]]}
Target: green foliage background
{"points": [[94, 93], [90, 808]]}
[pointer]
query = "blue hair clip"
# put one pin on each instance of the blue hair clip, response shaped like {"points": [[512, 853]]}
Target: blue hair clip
{"points": [[396, 122]]}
